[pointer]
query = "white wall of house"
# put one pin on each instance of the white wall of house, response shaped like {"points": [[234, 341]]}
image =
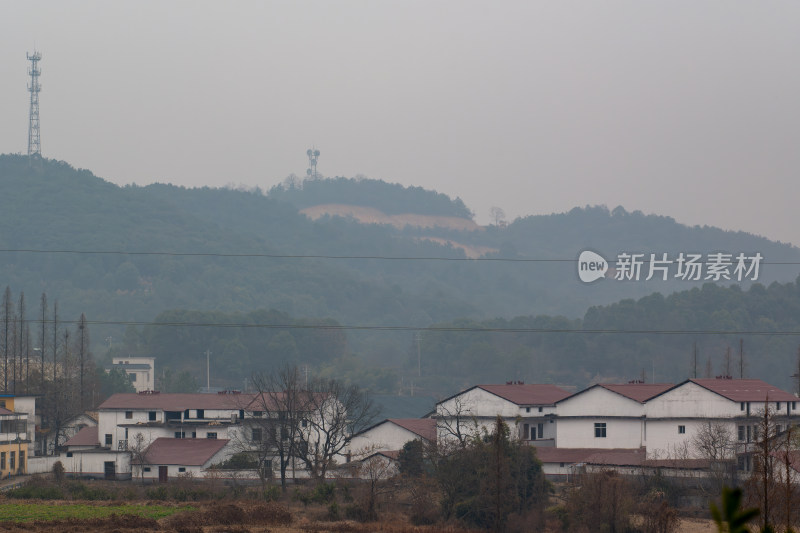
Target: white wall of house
{"points": [[383, 437], [142, 379], [478, 410], [581, 432], [599, 401], [123, 425], [693, 401], [84, 464]]}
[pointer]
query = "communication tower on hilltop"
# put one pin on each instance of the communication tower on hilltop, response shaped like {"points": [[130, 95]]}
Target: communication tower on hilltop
{"points": [[34, 141], [313, 155]]}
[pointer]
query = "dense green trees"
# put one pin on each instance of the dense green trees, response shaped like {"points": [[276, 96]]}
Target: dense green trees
{"points": [[491, 481], [233, 252]]}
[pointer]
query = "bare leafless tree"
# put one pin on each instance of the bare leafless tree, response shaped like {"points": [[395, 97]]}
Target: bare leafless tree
{"points": [[332, 413], [456, 420], [275, 421], [716, 443]]}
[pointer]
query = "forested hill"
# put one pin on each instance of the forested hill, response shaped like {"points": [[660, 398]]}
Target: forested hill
{"points": [[620, 342], [390, 198], [232, 251], [615, 343]]}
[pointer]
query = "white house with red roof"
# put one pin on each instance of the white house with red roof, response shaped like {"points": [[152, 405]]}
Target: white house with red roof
{"points": [[391, 435], [528, 409], [677, 415], [605, 416], [123, 417], [167, 458]]}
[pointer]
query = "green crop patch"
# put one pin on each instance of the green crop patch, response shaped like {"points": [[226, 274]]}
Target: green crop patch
{"points": [[28, 512]]}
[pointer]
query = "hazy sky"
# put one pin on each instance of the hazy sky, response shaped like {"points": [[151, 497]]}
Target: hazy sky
{"points": [[683, 108]]}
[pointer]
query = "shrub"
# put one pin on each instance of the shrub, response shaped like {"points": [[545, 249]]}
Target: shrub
{"points": [[58, 472], [272, 493]]}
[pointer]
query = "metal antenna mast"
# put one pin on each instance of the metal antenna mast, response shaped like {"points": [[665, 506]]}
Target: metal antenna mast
{"points": [[34, 141], [313, 155]]}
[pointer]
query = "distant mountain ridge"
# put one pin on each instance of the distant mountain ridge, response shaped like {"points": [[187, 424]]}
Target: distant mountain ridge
{"points": [[232, 251]]}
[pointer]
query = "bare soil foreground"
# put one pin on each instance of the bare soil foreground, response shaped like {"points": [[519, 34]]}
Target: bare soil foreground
{"points": [[240, 517]]}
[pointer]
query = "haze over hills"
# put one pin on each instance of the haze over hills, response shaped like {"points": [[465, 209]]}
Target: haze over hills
{"points": [[236, 255]]}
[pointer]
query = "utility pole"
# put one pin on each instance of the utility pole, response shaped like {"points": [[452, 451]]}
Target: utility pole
{"points": [[208, 370], [741, 358], [418, 338], [694, 360], [34, 140]]}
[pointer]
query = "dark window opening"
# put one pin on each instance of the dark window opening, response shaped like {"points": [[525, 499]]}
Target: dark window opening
{"points": [[600, 429]]}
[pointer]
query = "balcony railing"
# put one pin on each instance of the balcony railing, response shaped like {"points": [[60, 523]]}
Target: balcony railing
{"points": [[122, 445]]}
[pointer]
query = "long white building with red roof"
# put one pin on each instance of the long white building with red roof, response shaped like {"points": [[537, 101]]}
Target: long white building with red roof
{"points": [[635, 423]]}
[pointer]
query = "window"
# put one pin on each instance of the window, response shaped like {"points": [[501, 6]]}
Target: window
{"points": [[108, 439], [777, 406], [128, 415], [2, 460], [194, 434], [256, 437], [22, 459], [740, 462], [151, 416], [133, 377], [526, 432], [11, 458], [181, 469], [681, 429], [258, 414], [794, 406], [741, 433], [304, 423], [540, 409], [561, 465], [540, 428], [527, 409], [778, 428], [741, 406], [180, 434], [211, 435], [69, 454], [201, 413], [600, 430], [748, 433], [147, 469]]}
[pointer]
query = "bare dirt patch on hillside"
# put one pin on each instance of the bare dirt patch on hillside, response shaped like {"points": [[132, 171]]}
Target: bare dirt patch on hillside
{"points": [[369, 215]]}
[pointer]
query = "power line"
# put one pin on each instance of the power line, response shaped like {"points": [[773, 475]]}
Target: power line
{"points": [[321, 256], [444, 329]]}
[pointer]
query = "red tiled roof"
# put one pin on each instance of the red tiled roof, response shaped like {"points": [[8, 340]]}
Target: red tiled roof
{"points": [[189, 452], [640, 392], [424, 427], [176, 401], [276, 401], [745, 390], [679, 463], [597, 456], [4, 411], [532, 394], [85, 437]]}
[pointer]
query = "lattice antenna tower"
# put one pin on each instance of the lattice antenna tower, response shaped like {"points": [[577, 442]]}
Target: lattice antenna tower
{"points": [[313, 155], [34, 140]]}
